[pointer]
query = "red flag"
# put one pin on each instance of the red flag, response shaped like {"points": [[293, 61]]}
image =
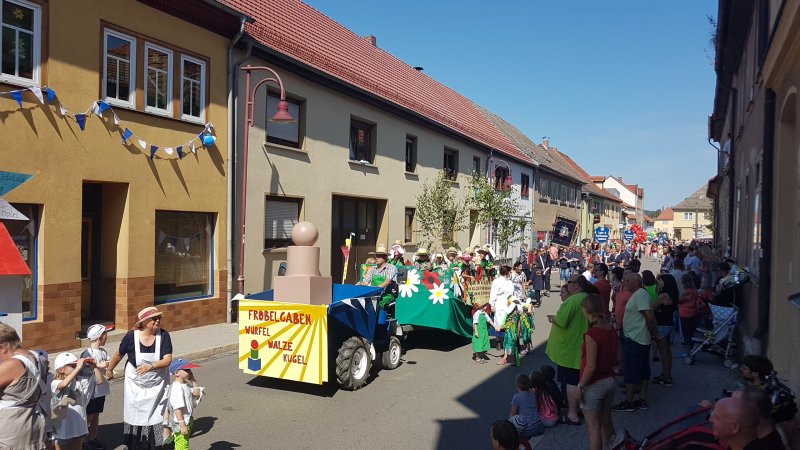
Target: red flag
{"points": [[345, 252]]}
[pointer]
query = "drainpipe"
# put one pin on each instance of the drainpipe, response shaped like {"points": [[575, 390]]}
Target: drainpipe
{"points": [[232, 102], [765, 262]]}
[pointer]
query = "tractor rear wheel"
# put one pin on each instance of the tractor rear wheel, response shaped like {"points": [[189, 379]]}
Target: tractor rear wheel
{"points": [[390, 359], [353, 363]]}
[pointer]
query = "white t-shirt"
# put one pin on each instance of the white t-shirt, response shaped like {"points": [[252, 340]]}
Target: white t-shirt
{"points": [[74, 423], [100, 355], [180, 396]]}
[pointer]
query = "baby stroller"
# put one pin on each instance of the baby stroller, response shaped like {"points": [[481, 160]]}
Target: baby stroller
{"points": [[689, 431], [720, 339]]}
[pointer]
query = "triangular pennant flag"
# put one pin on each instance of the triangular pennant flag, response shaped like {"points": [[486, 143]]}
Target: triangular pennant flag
{"points": [[63, 110], [51, 95], [168, 150], [153, 150], [193, 149], [38, 93], [161, 237], [186, 242], [142, 144], [17, 95], [126, 135], [7, 212], [116, 119], [180, 151], [81, 118], [93, 109], [101, 107]]}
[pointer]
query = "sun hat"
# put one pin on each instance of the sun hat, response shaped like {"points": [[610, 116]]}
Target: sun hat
{"points": [[181, 363], [480, 301], [379, 250], [422, 251], [150, 312], [398, 242], [95, 331], [451, 250], [64, 359]]}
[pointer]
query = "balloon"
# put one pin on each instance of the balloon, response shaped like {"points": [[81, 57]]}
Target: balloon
{"points": [[209, 139]]}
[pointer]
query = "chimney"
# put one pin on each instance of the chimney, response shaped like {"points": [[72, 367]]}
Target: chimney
{"points": [[546, 144], [372, 40]]}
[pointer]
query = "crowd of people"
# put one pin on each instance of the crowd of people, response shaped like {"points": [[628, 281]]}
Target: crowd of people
{"points": [[40, 409]]}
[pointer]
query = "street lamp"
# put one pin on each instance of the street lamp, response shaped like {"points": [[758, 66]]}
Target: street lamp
{"points": [[282, 116]]}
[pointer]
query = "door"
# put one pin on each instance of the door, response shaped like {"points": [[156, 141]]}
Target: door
{"points": [[360, 217], [86, 267]]}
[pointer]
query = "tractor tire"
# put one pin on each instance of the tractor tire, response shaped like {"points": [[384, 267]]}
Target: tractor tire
{"points": [[390, 359], [353, 363]]}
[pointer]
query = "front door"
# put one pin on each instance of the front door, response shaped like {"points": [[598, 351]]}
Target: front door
{"points": [[360, 217]]}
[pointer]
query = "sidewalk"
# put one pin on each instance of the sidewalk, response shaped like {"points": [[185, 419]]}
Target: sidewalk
{"points": [[190, 344]]}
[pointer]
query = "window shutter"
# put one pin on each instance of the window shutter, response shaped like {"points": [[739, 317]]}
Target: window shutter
{"points": [[283, 131], [281, 216]]}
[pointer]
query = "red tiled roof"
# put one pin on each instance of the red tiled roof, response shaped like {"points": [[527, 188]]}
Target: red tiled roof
{"points": [[646, 218], [11, 263], [667, 214], [299, 31], [596, 179], [590, 186]]}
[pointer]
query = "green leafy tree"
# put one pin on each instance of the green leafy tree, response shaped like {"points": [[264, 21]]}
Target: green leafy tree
{"points": [[500, 209], [440, 214]]}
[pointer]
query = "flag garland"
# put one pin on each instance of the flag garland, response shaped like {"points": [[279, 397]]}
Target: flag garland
{"points": [[100, 108]]}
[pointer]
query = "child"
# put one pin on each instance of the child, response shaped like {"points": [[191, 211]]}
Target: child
{"points": [[184, 394], [546, 405], [72, 390], [504, 436], [480, 330], [687, 312], [551, 387], [97, 335], [524, 414]]}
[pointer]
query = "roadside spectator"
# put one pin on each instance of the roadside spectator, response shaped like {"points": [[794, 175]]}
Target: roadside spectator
{"points": [[596, 386], [639, 327], [687, 313], [546, 405], [603, 285], [766, 432], [755, 369], [735, 424], [678, 273], [551, 387], [620, 297], [634, 266], [97, 337], [669, 260], [524, 413], [664, 311], [504, 436]]}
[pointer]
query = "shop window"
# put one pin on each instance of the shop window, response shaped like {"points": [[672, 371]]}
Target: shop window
{"points": [[20, 42], [281, 215], [411, 154], [287, 134], [361, 145], [184, 263], [193, 89], [25, 235], [409, 224], [450, 164], [119, 70]]}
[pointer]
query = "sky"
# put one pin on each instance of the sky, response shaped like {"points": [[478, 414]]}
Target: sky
{"points": [[624, 87]]}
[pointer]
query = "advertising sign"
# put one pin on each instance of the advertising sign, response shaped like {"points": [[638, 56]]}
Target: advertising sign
{"points": [[284, 340], [628, 234], [601, 234]]}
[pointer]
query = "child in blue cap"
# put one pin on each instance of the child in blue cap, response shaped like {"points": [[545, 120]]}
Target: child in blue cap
{"points": [[184, 394]]}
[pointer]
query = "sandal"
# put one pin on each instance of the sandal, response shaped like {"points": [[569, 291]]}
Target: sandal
{"points": [[502, 361], [567, 421]]}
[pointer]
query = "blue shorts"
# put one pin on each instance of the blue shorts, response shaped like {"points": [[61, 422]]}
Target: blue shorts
{"points": [[637, 363], [565, 273]]}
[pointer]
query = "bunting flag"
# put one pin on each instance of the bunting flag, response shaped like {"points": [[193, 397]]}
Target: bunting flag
{"points": [[207, 137]]}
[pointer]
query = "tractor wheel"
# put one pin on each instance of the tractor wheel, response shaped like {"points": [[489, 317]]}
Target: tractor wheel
{"points": [[353, 363], [391, 357]]}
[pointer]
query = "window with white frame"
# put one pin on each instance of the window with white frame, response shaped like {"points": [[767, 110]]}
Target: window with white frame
{"points": [[193, 88], [119, 68], [20, 41], [688, 216], [157, 79]]}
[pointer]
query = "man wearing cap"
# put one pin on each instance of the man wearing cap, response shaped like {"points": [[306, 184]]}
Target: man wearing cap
{"points": [[381, 275]]}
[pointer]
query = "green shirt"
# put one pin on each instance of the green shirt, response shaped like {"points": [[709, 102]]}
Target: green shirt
{"points": [[653, 291], [633, 322], [566, 334]]}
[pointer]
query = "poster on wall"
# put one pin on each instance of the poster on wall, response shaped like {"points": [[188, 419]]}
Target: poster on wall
{"points": [[563, 231]]}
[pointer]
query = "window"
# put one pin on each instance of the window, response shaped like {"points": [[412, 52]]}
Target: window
{"points": [[193, 89], [281, 215], [476, 166], [706, 216], [287, 134], [409, 224], [411, 154], [501, 180], [119, 68], [20, 41], [525, 184], [158, 79], [665, 222], [361, 142], [544, 188], [184, 263], [24, 233], [688, 216], [450, 164]]}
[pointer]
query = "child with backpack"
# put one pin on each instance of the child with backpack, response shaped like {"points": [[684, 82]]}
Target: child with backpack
{"points": [[72, 390], [184, 394], [97, 335]]}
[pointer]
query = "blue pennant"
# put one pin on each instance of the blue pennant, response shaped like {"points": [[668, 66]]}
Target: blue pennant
{"points": [[81, 118], [180, 151], [17, 95], [153, 150], [102, 106], [51, 95], [126, 135]]}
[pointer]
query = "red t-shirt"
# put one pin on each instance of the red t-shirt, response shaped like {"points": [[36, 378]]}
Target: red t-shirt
{"points": [[619, 305], [606, 352], [605, 292]]}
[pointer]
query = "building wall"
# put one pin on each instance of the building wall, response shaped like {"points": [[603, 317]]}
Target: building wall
{"points": [[36, 140], [624, 193], [321, 169], [524, 203], [686, 225]]}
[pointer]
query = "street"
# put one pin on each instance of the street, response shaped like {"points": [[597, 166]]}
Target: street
{"points": [[438, 398]]}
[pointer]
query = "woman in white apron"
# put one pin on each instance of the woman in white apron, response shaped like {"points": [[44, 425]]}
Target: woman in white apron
{"points": [[149, 352]]}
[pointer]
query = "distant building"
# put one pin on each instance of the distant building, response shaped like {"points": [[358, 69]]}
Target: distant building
{"points": [[664, 222], [692, 218]]}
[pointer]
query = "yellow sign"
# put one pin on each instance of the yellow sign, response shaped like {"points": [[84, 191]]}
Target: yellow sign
{"points": [[284, 340]]}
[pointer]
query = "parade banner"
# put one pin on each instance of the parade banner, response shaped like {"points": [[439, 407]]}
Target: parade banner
{"points": [[284, 340], [563, 231]]}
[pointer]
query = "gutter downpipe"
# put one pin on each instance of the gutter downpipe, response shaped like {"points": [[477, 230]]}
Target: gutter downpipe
{"points": [[232, 102]]}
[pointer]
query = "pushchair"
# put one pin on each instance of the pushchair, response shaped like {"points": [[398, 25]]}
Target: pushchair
{"points": [[720, 339], [689, 431]]}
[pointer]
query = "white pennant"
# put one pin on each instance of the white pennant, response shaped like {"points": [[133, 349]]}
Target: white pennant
{"points": [[193, 150], [116, 119], [64, 111], [168, 150], [95, 109], [38, 93], [142, 144]]}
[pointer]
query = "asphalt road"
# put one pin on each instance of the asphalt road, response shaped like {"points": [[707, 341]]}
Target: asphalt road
{"points": [[437, 398]]}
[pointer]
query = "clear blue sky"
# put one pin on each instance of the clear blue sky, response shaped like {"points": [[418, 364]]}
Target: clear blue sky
{"points": [[623, 87]]}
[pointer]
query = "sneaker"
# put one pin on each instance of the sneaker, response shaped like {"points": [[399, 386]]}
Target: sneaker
{"points": [[661, 381], [640, 404], [624, 406]]}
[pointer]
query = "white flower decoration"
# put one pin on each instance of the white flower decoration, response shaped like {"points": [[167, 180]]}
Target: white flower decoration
{"points": [[457, 283], [408, 288], [438, 293]]}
